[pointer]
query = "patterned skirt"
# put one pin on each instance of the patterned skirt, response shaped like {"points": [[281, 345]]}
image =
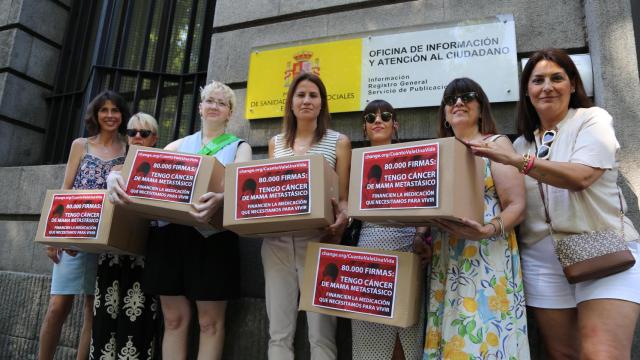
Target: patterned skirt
{"points": [[125, 324]]}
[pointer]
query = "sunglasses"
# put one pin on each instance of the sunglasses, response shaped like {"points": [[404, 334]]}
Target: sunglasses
{"points": [[143, 133], [465, 97], [545, 144], [371, 117]]}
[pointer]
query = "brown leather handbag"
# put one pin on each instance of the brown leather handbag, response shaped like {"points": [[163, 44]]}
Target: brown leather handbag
{"points": [[591, 255]]}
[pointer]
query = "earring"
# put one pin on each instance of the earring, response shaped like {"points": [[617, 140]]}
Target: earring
{"points": [[447, 125], [364, 134], [395, 132]]}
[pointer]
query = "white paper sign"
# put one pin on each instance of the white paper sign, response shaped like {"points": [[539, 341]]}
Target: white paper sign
{"points": [[412, 69]]}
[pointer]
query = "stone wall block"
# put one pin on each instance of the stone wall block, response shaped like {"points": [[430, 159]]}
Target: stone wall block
{"points": [[17, 348], [246, 330], [24, 53], [21, 301], [29, 185], [535, 28], [6, 43], [235, 11], [44, 17], [615, 72], [17, 245], [11, 11], [24, 100], [19, 145]]}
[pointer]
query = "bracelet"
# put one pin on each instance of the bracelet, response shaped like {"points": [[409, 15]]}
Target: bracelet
{"points": [[495, 229], [529, 167], [525, 162], [501, 224]]}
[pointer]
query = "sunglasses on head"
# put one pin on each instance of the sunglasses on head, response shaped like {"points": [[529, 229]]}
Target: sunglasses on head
{"points": [[143, 133], [545, 144], [371, 117], [465, 97]]}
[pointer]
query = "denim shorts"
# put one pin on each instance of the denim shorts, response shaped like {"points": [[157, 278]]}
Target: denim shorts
{"points": [[74, 275]]}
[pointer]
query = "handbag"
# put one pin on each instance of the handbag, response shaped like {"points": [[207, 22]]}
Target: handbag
{"points": [[591, 255], [351, 234]]}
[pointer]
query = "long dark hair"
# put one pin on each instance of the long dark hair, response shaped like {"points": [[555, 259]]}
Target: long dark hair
{"points": [[290, 124], [528, 119], [91, 115], [486, 123]]}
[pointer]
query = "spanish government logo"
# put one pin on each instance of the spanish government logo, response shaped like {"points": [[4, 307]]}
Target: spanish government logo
{"points": [[303, 62]]}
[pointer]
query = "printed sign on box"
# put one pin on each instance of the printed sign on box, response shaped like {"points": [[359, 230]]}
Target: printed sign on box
{"points": [[400, 178], [356, 281], [163, 176], [273, 190], [74, 216]]}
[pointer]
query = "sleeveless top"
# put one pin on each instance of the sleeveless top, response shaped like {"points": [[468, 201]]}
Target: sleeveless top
{"points": [[325, 147], [191, 145], [92, 171]]}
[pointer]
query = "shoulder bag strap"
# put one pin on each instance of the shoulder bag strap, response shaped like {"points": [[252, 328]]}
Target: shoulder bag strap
{"points": [[217, 144]]}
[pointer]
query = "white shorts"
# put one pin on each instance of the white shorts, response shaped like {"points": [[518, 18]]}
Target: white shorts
{"points": [[546, 287]]}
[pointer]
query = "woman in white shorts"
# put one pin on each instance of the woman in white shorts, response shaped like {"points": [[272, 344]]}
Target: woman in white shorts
{"points": [[570, 147]]}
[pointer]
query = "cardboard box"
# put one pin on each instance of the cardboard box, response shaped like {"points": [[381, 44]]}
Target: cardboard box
{"points": [[411, 183], [364, 284], [163, 184], [85, 220], [279, 195]]}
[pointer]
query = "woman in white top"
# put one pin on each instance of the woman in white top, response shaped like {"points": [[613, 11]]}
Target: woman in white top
{"points": [[569, 147], [185, 264], [305, 131]]}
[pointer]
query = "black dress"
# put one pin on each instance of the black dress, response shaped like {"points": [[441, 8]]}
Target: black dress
{"points": [[126, 319]]}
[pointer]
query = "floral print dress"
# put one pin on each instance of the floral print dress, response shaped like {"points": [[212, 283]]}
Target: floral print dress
{"points": [[476, 298]]}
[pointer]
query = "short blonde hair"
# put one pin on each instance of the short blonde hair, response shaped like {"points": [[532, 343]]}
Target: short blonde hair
{"points": [[145, 120], [218, 86]]}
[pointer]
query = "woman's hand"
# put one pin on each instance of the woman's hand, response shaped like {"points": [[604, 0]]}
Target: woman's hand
{"points": [[466, 228], [206, 206], [115, 189], [422, 249], [335, 230], [54, 254], [499, 151]]}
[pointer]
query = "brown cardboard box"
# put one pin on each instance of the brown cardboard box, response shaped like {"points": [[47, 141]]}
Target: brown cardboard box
{"points": [[69, 219], [363, 284], [277, 195], [209, 178], [410, 183]]}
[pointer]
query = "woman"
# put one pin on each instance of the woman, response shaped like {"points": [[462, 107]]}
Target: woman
{"points": [[371, 340], [305, 131], [476, 305], [578, 169], [90, 160], [125, 318], [186, 264]]}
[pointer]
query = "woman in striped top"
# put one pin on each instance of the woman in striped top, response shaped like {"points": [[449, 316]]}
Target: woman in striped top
{"points": [[305, 131]]}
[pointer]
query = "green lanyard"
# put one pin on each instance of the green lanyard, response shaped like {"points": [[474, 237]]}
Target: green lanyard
{"points": [[217, 144]]}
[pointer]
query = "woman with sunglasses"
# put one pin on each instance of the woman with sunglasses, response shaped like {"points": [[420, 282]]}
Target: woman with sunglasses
{"points": [[378, 341], [125, 317], [569, 152], [186, 264], [305, 131], [476, 305], [74, 273]]}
